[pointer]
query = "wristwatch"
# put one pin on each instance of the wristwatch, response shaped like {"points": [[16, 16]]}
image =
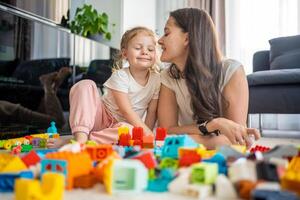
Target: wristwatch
{"points": [[203, 130]]}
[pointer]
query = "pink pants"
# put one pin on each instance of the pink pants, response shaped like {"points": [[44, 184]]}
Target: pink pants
{"points": [[89, 115]]}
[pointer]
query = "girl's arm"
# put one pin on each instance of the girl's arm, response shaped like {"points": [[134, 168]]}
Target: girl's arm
{"points": [[151, 114], [126, 110]]}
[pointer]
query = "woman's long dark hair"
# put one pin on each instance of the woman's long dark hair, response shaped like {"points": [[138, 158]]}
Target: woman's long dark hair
{"points": [[203, 67]]}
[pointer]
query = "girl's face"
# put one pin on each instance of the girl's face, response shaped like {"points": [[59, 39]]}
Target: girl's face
{"points": [[141, 51], [174, 43]]}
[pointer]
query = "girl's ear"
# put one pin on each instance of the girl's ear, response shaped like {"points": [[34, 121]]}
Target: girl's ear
{"points": [[124, 53], [186, 39]]}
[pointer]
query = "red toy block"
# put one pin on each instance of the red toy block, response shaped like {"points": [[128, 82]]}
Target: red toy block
{"points": [[99, 152], [137, 133], [138, 143], [259, 148], [147, 158], [31, 158], [124, 139], [188, 157], [161, 134]]}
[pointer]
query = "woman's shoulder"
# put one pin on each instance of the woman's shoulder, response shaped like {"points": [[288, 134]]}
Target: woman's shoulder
{"points": [[230, 64]]}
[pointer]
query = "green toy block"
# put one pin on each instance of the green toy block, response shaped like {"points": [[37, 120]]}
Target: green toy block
{"points": [[168, 163], [204, 173]]}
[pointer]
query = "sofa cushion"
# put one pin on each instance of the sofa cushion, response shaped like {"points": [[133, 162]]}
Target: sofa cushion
{"points": [[274, 77], [285, 52], [30, 71]]}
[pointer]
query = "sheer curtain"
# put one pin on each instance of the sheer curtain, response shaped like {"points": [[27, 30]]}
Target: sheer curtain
{"points": [[251, 23]]}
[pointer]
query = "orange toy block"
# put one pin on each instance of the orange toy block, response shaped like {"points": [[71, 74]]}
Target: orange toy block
{"points": [[11, 163], [148, 141], [99, 152], [85, 181], [78, 164]]}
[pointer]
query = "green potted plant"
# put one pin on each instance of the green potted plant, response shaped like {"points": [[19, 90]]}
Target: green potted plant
{"points": [[88, 23]]}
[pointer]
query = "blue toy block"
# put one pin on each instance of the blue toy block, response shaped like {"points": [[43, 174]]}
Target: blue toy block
{"points": [[173, 143], [220, 160], [42, 152], [51, 165], [161, 184], [273, 195], [7, 180], [52, 129]]}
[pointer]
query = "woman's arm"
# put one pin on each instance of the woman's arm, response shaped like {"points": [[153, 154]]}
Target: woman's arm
{"points": [[151, 114], [125, 107]]}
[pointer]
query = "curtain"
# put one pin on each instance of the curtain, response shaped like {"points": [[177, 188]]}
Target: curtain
{"points": [[216, 9], [250, 24]]}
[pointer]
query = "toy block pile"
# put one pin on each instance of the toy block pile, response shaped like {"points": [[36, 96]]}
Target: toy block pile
{"points": [[157, 163]]}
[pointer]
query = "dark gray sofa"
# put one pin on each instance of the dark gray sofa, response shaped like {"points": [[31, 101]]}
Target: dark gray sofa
{"points": [[274, 86]]}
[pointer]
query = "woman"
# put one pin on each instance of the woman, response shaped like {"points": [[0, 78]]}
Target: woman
{"points": [[202, 93]]}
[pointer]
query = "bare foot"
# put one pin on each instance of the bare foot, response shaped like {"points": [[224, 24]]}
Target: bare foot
{"points": [[47, 80], [63, 73]]}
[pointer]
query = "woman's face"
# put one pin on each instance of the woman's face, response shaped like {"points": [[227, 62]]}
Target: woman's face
{"points": [[174, 44]]}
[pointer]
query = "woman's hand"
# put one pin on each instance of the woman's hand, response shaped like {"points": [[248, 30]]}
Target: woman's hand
{"points": [[236, 133]]}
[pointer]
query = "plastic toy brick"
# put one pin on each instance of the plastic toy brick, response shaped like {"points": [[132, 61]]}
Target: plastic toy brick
{"points": [[138, 143], [148, 141], [52, 129], [26, 147], [204, 173], [85, 181], [169, 163], [16, 149], [173, 143], [229, 152], [276, 195], [7, 180], [242, 170], [161, 134], [137, 133], [125, 176], [147, 158], [31, 158], [51, 188], [240, 148], [291, 178], [35, 142], [11, 163], [266, 171], [99, 152], [68, 163], [221, 161], [123, 130], [124, 139], [259, 148], [43, 143], [188, 156], [281, 151], [244, 188]]}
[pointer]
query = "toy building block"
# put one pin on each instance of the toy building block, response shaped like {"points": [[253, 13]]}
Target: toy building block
{"points": [[147, 158], [281, 151], [204, 173], [16, 149], [68, 163], [173, 143], [123, 130], [7, 180], [269, 194], [224, 188], [240, 148], [31, 158], [291, 178], [161, 182], [125, 176], [99, 152], [220, 160], [266, 171], [51, 188], [26, 147], [229, 152], [52, 129], [259, 148], [148, 141], [11, 163], [85, 181], [137, 133], [242, 170], [124, 139], [244, 188], [161, 134], [188, 156], [168, 163]]}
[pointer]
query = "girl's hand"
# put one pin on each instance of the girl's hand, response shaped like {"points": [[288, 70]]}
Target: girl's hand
{"points": [[236, 133]]}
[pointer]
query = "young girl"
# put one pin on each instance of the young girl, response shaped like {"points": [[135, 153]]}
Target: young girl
{"points": [[131, 92]]}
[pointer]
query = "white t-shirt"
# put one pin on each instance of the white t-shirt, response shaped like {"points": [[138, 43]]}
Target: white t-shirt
{"points": [[183, 97], [139, 96]]}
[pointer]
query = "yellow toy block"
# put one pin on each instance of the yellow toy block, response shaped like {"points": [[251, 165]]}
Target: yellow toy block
{"points": [[123, 129], [11, 163], [240, 148], [51, 188]]}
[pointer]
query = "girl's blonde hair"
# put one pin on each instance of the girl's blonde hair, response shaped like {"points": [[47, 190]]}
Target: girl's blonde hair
{"points": [[126, 38]]}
